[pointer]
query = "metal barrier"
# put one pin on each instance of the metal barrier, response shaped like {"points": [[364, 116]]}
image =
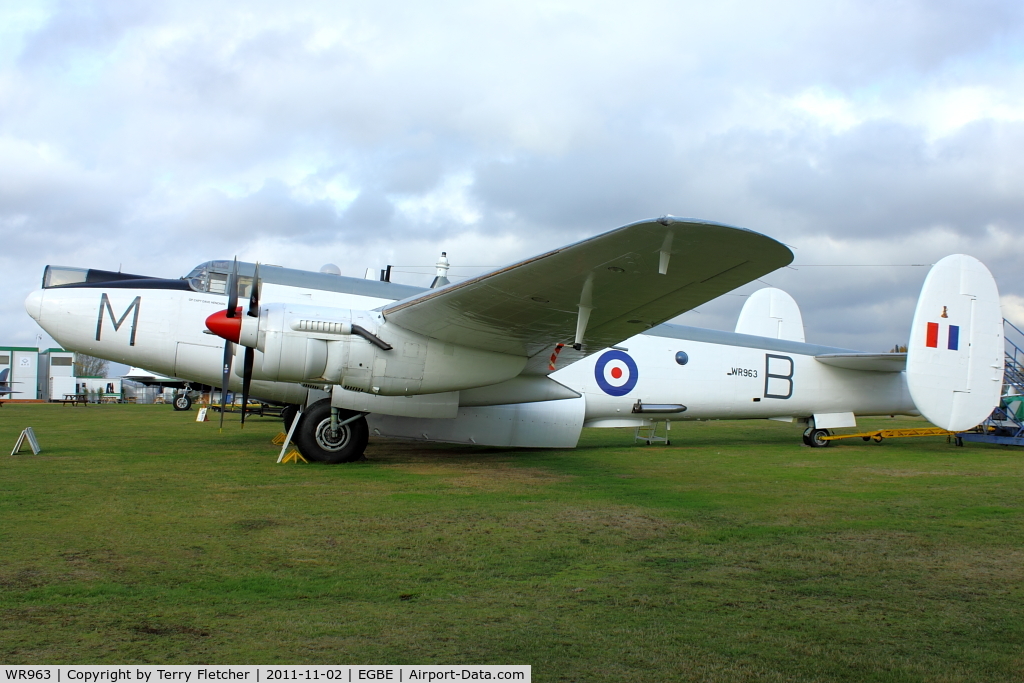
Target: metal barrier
{"points": [[1006, 423]]}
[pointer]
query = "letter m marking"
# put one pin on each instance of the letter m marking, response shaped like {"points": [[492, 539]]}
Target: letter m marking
{"points": [[105, 304]]}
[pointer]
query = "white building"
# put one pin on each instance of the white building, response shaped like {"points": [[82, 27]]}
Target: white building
{"points": [[56, 374], [23, 363], [57, 378]]}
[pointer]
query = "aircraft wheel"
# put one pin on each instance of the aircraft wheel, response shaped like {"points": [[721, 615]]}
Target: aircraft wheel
{"points": [[815, 439], [183, 402], [806, 436], [288, 415], [314, 439]]}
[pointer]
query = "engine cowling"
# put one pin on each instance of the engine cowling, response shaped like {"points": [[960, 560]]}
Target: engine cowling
{"points": [[310, 344]]}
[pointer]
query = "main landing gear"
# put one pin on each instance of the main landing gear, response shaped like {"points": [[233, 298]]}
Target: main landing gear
{"points": [[319, 443]]}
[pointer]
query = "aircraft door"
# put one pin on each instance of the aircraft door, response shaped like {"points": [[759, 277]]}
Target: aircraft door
{"points": [[198, 362]]}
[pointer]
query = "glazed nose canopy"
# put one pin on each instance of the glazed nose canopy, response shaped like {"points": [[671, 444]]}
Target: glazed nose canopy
{"points": [[224, 327]]}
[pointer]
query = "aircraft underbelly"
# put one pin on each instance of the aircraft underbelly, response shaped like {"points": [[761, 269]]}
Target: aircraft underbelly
{"points": [[551, 424]]}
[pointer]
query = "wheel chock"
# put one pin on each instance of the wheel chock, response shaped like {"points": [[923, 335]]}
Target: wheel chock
{"points": [[294, 456]]}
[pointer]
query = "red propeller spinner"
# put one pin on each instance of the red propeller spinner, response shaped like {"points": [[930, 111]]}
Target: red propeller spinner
{"points": [[224, 327]]}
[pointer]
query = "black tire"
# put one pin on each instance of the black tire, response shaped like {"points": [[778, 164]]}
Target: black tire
{"points": [[815, 440], [312, 435], [183, 402], [288, 415], [807, 436]]}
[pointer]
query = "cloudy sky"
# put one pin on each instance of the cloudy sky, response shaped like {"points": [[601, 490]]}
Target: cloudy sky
{"points": [[872, 137]]}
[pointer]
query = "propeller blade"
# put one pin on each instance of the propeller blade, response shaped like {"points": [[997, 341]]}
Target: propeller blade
{"points": [[229, 354], [250, 353], [233, 289], [254, 298]]}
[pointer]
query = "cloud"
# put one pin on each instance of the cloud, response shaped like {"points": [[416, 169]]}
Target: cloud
{"points": [[77, 30], [1013, 308], [157, 137]]}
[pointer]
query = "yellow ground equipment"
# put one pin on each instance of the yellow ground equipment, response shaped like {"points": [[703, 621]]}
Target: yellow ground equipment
{"points": [[292, 455], [879, 434]]}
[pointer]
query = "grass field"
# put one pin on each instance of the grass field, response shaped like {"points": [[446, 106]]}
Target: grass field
{"points": [[140, 536]]}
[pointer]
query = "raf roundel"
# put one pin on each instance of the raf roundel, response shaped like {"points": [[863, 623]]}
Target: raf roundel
{"points": [[616, 373]]}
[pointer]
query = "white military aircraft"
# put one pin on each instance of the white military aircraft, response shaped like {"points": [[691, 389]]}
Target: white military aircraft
{"points": [[527, 355]]}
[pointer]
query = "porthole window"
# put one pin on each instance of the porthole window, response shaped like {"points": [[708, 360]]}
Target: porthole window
{"points": [[682, 358]]}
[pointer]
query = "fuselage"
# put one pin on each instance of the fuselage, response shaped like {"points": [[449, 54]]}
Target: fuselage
{"points": [[724, 375], [713, 375]]}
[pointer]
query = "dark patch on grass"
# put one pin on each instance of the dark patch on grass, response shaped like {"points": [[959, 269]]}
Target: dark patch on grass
{"points": [[679, 562], [22, 579], [254, 524], [170, 630]]}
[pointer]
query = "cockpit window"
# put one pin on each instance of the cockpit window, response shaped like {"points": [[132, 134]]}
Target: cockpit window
{"points": [[212, 277], [54, 276]]}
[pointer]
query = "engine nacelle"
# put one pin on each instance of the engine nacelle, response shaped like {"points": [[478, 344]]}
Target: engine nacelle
{"points": [[361, 351]]}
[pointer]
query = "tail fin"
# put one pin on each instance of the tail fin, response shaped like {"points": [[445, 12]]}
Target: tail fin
{"points": [[3, 375], [955, 354], [771, 312]]}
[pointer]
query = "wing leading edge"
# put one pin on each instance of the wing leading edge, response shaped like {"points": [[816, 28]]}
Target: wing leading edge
{"points": [[601, 290]]}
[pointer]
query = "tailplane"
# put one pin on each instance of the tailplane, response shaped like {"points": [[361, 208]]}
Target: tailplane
{"points": [[955, 354], [773, 313]]}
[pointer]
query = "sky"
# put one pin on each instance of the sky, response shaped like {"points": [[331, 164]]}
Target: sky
{"points": [[871, 137]]}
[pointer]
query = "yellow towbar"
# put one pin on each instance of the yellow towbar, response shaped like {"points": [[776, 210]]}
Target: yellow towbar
{"points": [[880, 434]]}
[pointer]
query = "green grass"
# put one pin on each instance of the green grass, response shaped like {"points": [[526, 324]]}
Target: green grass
{"points": [[140, 536]]}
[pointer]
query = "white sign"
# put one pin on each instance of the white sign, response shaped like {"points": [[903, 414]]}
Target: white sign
{"points": [[27, 433], [201, 417]]}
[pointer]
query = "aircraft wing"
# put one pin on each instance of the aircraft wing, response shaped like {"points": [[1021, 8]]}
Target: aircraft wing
{"points": [[621, 283], [877, 362]]}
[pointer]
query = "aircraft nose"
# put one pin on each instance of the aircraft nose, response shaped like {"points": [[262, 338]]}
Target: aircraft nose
{"points": [[224, 327], [34, 304]]}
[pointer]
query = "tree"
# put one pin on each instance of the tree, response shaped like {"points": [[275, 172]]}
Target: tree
{"points": [[90, 366]]}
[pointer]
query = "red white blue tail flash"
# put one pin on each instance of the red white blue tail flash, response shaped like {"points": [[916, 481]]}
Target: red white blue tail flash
{"points": [[931, 338]]}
